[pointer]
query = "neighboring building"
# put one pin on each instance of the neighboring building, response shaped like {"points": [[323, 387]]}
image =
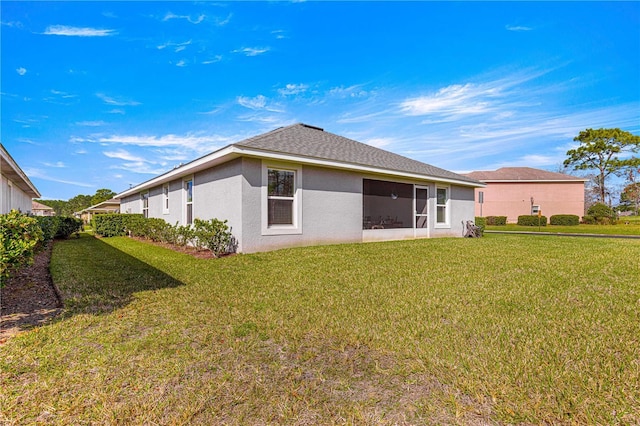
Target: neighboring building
{"points": [[299, 185], [39, 209], [16, 190], [516, 191], [109, 206]]}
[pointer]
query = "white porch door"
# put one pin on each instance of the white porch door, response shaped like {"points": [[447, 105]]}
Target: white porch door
{"points": [[421, 203]]}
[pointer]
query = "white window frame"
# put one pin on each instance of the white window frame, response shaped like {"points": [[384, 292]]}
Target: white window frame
{"points": [[535, 208], [296, 227], [185, 199], [446, 206], [144, 196], [165, 198]]}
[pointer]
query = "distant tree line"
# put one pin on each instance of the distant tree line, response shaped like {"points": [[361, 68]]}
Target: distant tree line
{"points": [[79, 202]]}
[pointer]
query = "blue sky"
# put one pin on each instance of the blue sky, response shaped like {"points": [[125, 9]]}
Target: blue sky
{"points": [[108, 94]]}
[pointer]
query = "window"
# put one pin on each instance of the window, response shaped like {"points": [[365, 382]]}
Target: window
{"points": [[442, 200], [386, 204], [281, 190], [188, 198], [144, 198], [165, 198], [535, 209]]}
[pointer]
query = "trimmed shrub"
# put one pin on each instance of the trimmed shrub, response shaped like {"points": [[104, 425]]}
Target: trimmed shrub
{"points": [[214, 235], [49, 226], [497, 220], [564, 220], [480, 221], [532, 220], [602, 214], [68, 226], [20, 236], [114, 225], [588, 220]]}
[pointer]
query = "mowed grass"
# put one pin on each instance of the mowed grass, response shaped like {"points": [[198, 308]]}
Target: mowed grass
{"points": [[629, 225], [499, 330]]}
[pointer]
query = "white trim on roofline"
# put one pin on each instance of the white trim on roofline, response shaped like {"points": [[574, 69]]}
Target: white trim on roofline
{"points": [[533, 180], [233, 151]]}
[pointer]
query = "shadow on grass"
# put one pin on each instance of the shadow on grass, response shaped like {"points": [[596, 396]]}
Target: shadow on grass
{"points": [[94, 277]]}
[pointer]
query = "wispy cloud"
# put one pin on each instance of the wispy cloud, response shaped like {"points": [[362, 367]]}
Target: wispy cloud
{"points": [[177, 47], [39, 174], [518, 28], [169, 16], [252, 51], [259, 102], [58, 164], [213, 60], [355, 91], [181, 63], [196, 142], [116, 101], [293, 89], [64, 30], [95, 123], [122, 154], [21, 71]]}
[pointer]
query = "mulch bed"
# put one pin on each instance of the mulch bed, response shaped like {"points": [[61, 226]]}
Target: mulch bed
{"points": [[29, 297]]}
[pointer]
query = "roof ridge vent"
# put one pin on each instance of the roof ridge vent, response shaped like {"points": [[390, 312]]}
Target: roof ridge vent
{"points": [[312, 127]]}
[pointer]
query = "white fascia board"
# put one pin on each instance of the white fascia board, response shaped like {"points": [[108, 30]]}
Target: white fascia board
{"points": [[534, 180], [350, 166], [232, 151], [17, 174]]}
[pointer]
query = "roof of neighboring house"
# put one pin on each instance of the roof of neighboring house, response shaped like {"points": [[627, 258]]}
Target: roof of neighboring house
{"points": [[39, 206], [522, 174], [13, 172], [312, 145], [111, 205]]}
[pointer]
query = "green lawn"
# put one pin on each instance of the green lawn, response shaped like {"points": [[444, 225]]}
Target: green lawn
{"points": [[506, 329], [626, 226]]}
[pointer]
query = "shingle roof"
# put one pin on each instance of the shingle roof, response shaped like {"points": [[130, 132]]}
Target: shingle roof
{"points": [[313, 142], [520, 174]]}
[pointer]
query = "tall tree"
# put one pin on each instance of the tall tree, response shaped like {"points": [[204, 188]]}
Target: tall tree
{"points": [[601, 150], [102, 195]]}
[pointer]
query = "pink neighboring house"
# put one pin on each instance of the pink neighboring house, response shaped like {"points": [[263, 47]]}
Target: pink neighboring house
{"points": [[515, 191]]}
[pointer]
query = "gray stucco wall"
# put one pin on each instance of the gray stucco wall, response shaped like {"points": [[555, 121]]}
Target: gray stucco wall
{"points": [[331, 205], [331, 208]]}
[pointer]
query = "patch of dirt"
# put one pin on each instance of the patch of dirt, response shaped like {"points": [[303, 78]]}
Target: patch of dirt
{"points": [[29, 298]]}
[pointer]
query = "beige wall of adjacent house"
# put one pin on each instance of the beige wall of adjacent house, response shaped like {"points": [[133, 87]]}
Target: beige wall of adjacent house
{"points": [[513, 199]]}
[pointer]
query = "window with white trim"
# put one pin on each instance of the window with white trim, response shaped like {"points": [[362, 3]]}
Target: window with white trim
{"points": [[281, 190], [144, 201], [442, 203], [188, 200], [165, 198]]}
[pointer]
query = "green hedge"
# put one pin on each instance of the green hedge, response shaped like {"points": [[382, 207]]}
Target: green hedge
{"points": [[20, 236], [600, 213], [114, 225], [564, 220], [58, 226], [532, 220], [497, 220], [481, 221]]}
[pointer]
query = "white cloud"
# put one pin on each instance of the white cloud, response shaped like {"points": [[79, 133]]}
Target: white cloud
{"points": [[455, 99], [116, 101], [39, 174], [58, 164], [196, 20], [197, 143], [96, 123], [252, 51], [517, 28], [293, 89], [354, 91], [64, 30], [181, 63], [122, 154], [178, 47], [215, 59], [117, 111], [21, 71], [258, 102]]}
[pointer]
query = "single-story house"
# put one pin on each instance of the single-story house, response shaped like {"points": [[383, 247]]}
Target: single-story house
{"points": [[300, 185], [109, 206], [39, 209], [516, 191], [16, 190]]}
